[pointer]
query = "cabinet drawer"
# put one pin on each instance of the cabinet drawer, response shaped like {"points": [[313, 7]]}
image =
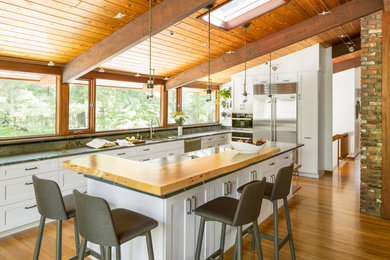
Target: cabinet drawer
{"points": [[26, 169], [285, 159], [71, 179], [123, 153], [18, 214], [19, 189], [269, 165], [142, 158]]}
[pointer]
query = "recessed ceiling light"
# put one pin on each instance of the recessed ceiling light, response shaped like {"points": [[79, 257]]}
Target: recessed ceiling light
{"points": [[325, 13], [351, 49], [172, 33], [138, 75], [343, 36], [119, 15], [204, 44], [166, 78], [230, 52], [50, 64], [101, 70]]}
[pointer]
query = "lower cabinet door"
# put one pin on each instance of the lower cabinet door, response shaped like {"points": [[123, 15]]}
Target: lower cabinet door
{"points": [[18, 214], [71, 179]]}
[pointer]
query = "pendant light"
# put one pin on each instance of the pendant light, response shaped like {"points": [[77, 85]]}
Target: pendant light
{"points": [[150, 85], [208, 99], [245, 93]]}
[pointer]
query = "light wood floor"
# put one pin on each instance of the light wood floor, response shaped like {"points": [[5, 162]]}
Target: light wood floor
{"points": [[325, 219]]}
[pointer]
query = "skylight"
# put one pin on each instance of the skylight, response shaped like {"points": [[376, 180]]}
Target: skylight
{"points": [[234, 13]]}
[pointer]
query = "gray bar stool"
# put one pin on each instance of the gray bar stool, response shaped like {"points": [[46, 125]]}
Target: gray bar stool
{"points": [[52, 205], [99, 225], [273, 192], [235, 213]]}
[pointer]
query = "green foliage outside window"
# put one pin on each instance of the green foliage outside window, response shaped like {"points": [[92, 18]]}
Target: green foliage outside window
{"points": [[122, 108], [78, 106], [197, 109], [26, 108]]}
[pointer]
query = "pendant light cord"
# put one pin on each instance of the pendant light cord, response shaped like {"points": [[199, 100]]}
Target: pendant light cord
{"points": [[209, 79], [245, 62], [150, 40]]}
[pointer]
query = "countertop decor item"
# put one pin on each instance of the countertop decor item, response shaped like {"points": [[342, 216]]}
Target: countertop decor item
{"points": [[247, 148], [180, 118], [224, 97]]}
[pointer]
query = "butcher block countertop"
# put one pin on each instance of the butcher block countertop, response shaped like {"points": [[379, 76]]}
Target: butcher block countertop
{"points": [[160, 179]]}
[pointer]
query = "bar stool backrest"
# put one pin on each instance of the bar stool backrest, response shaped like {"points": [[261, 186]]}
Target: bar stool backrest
{"points": [[249, 206], [282, 184], [95, 220], [49, 199]]}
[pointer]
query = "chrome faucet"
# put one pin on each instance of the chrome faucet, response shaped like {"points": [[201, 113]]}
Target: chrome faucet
{"points": [[151, 127]]}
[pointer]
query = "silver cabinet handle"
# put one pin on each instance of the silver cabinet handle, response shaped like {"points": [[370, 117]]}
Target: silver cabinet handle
{"points": [[144, 160], [271, 164], [145, 150], [230, 187], [121, 153], [225, 189], [193, 203], [80, 173], [28, 183], [30, 169], [286, 157], [188, 206], [307, 137], [30, 207], [170, 154], [254, 175]]}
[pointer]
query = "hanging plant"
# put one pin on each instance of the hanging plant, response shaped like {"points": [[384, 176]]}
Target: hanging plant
{"points": [[224, 96]]}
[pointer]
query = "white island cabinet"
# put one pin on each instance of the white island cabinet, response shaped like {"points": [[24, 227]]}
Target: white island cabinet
{"points": [[177, 232]]}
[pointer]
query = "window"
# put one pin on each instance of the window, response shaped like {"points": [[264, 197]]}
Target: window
{"points": [[79, 105], [123, 105], [196, 108], [27, 104], [171, 105], [234, 13]]}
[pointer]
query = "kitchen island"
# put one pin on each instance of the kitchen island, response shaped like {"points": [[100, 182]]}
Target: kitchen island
{"points": [[169, 189]]}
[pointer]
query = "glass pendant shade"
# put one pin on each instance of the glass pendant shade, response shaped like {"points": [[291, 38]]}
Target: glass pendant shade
{"points": [[208, 98], [150, 93]]}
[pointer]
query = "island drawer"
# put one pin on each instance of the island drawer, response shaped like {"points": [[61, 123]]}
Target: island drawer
{"points": [[19, 189], [18, 214], [285, 159], [69, 179], [26, 169], [269, 165], [123, 153]]}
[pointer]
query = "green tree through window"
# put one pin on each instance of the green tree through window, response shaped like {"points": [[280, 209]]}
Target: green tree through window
{"points": [[196, 108], [26, 108]]}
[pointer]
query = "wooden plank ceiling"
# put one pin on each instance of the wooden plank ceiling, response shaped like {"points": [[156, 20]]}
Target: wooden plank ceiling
{"points": [[59, 30]]}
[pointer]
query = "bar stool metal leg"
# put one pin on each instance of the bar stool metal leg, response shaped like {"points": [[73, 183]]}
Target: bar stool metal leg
{"points": [[222, 241], [118, 252], [276, 231], [239, 240], [76, 235], [107, 252], [102, 254], [256, 236], [200, 239], [59, 240], [39, 238], [289, 229], [235, 249], [83, 246], [149, 245]]}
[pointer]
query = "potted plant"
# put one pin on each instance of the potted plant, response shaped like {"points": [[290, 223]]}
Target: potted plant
{"points": [[224, 96], [180, 118]]}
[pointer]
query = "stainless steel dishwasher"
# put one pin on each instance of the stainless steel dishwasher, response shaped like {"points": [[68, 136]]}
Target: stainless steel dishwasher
{"points": [[193, 144]]}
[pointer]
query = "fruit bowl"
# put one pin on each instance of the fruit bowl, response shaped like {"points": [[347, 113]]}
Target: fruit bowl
{"points": [[247, 148]]}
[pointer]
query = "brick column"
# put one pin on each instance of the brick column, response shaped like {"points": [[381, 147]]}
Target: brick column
{"points": [[371, 115]]}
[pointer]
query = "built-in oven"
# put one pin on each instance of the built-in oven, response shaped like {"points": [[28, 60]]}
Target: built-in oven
{"points": [[242, 126]]}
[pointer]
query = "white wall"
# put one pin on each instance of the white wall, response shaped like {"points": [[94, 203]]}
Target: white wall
{"points": [[344, 84]]}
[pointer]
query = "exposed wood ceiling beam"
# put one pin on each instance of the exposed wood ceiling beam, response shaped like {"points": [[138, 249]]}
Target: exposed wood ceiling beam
{"points": [[29, 67], [201, 85], [386, 5], [341, 49], [165, 14], [346, 65], [313, 26]]}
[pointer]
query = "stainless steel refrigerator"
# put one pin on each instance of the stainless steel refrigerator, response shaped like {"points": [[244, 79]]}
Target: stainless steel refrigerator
{"points": [[275, 112]]}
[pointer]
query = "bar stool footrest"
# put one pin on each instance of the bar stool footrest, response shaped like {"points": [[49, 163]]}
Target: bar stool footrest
{"points": [[214, 255], [88, 252], [282, 242]]}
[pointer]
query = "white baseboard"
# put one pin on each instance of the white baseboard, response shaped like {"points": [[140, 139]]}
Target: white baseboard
{"points": [[310, 175]]}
